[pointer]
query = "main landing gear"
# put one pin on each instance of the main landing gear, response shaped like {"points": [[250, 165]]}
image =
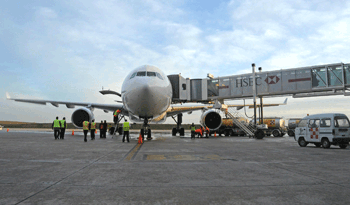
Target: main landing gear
{"points": [[145, 130], [178, 128]]}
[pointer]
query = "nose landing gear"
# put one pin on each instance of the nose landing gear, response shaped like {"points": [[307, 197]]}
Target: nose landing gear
{"points": [[145, 130]]}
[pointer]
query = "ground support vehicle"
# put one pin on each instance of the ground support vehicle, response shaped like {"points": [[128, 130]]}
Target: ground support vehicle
{"points": [[228, 128], [292, 124], [275, 126], [324, 130]]}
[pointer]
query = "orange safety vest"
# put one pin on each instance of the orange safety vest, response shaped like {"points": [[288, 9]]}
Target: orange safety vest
{"points": [[207, 129]]}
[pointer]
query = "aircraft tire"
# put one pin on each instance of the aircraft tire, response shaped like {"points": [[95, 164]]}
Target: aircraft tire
{"points": [[182, 132], [174, 131], [111, 130], [149, 134], [143, 134]]}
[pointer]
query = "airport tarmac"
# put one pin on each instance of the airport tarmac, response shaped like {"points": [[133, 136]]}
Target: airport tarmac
{"points": [[36, 169]]}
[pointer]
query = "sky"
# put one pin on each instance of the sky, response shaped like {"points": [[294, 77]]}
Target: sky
{"points": [[68, 50]]}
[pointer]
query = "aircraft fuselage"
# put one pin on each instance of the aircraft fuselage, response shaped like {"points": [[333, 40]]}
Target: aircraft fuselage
{"points": [[146, 93]]}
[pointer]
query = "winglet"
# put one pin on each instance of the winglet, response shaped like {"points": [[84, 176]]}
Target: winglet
{"points": [[285, 101], [8, 96]]}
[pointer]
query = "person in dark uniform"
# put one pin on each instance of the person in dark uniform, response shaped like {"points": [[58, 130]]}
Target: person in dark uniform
{"points": [[92, 127], [63, 128], [85, 129], [101, 129], [104, 129], [126, 127], [193, 131], [56, 126]]}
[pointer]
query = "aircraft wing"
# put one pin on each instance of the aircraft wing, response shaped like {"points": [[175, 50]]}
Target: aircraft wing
{"points": [[105, 107], [174, 110]]}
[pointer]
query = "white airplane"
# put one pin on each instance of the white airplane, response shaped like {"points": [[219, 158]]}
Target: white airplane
{"points": [[147, 97]]}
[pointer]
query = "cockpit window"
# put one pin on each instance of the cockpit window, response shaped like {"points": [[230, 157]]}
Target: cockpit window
{"points": [[133, 75], [152, 74], [159, 76], [142, 73]]}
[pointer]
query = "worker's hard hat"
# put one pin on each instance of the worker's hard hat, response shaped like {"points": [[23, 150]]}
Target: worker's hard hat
{"points": [[118, 111]]}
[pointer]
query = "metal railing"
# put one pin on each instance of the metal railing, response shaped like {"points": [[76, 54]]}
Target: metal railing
{"points": [[246, 127]]}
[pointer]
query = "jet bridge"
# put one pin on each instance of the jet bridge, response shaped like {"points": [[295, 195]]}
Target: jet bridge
{"points": [[312, 81]]}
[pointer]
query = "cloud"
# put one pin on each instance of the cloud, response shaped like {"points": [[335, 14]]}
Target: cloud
{"points": [[69, 50]]}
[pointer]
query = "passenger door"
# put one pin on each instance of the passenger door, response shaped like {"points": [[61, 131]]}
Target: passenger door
{"points": [[326, 128]]}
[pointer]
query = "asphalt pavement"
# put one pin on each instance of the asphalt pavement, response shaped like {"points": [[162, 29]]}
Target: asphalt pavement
{"points": [[36, 169]]}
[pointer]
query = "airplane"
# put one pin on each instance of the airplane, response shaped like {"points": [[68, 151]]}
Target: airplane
{"points": [[146, 97]]}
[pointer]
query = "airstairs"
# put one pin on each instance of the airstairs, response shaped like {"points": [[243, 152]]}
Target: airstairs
{"points": [[240, 121]]}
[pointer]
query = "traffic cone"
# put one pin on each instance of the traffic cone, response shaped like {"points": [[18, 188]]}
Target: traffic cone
{"points": [[73, 132], [8, 129], [140, 140], [214, 134], [95, 131]]}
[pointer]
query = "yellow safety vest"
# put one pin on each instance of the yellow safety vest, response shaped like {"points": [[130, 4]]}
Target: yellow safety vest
{"points": [[85, 125], [56, 124], [126, 126], [193, 128], [116, 113], [62, 123], [93, 125]]}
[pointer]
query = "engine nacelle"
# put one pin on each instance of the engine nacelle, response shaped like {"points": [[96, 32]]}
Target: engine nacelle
{"points": [[81, 115], [211, 119]]}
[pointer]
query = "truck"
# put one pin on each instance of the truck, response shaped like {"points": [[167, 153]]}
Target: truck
{"points": [[228, 128], [275, 126], [292, 124]]}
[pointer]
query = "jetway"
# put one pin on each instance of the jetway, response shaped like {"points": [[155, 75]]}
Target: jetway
{"points": [[312, 81]]}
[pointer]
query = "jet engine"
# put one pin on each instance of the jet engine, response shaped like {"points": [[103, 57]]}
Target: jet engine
{"points": [[211, 119], [81, 115]]}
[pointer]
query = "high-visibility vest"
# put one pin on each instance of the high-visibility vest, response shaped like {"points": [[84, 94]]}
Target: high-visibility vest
{"points": [[62, 123], [93, 125], [193, 128], [56, 124], [85, 125], [207, 129], [116, 113], [126, 126]]}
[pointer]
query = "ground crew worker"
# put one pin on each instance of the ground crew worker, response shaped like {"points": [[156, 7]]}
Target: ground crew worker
{"points": [[56, 125], [63, 128], [101, 129], [116, 118], [85, 129], [92, 127], [104, 129], [126, 127], [199, 132], [207, 131], [193, 130]]}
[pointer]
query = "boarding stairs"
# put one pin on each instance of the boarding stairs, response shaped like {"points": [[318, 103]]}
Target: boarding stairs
{"points": [[248, 128]]}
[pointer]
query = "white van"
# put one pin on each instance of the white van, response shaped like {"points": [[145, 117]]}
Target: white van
{"points": [[323, 129]]}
